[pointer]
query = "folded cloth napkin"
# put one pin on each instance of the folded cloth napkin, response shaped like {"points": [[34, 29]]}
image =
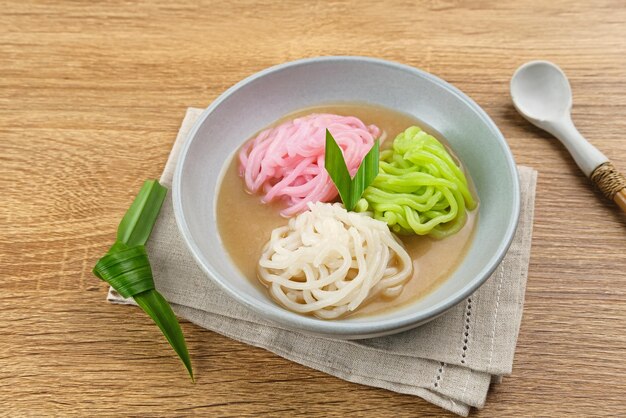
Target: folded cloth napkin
{"points": [[450, 361]]}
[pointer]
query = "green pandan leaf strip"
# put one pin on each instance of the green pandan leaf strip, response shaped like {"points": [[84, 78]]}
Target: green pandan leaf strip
{"points": [[127, 269], [137, 223], [161, 313], [350, 189]]}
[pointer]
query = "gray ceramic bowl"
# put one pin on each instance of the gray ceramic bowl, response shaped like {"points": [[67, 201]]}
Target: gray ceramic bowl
{"points": [[264, 97]]}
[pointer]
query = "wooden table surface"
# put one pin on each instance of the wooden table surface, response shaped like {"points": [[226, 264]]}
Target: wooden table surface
{"points": [[91, 97]]}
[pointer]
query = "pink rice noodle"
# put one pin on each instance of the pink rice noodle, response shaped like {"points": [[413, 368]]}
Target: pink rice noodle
{"points": [[287, 162]]}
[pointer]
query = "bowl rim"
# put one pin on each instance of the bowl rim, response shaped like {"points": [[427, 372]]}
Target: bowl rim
{"points": [[344, 329]]}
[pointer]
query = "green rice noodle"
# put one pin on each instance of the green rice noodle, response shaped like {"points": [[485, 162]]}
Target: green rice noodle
{"points": [[419, 188]]}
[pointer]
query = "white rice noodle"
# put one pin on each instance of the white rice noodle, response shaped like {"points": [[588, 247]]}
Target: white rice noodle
{"points": [[328, 261]]}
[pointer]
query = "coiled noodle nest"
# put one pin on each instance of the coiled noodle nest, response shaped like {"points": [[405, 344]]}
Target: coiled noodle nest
{"points": [[328, 261], [420, 189]]}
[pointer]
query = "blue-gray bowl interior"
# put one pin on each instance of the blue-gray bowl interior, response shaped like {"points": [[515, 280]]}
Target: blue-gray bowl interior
{"points": [[267, 96]]}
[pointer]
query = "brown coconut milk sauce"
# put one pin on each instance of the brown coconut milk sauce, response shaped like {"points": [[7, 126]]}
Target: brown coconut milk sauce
{"points": [[245, 223]]}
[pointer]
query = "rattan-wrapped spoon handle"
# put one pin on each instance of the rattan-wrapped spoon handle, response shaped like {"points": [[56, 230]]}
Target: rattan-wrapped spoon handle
{"points": [[611, 183]]}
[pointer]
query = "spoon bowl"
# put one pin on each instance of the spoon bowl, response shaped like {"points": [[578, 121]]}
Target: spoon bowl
{"points": [[541, 92]]}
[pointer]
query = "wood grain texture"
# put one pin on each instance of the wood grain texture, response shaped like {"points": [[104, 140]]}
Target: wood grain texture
{"points": [[91, 96]]}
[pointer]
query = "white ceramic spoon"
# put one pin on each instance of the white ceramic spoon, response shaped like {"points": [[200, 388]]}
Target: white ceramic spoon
{"points": [[541, 93]]}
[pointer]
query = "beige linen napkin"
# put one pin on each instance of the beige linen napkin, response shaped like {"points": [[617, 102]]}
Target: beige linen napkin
{"points": [[450, 361]]}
